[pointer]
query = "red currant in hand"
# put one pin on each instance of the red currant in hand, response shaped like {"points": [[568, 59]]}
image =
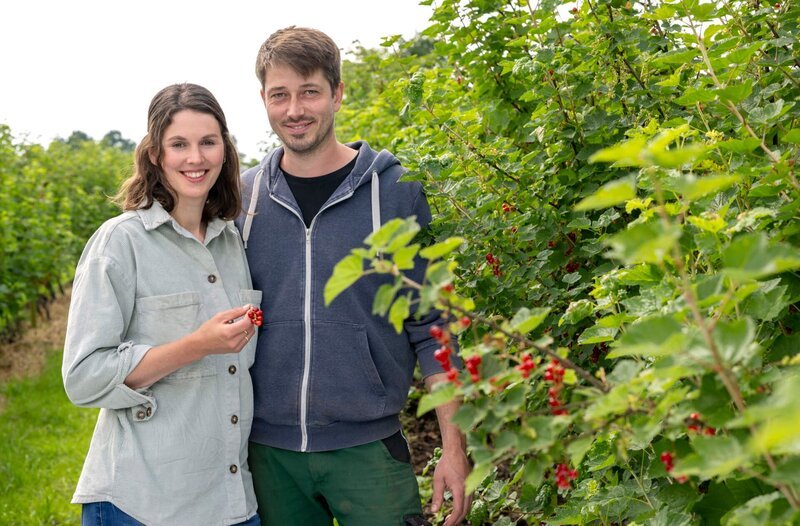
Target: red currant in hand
{"points": [[256, 316]]}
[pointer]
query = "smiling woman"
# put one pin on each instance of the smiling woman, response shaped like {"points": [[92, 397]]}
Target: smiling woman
{"points": [[157, 342]]}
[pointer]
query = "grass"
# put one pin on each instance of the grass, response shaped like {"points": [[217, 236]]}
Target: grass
{"points": [[44, 441]]}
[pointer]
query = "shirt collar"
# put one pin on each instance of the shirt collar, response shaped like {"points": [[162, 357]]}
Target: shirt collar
{"points": [[155, 216]]}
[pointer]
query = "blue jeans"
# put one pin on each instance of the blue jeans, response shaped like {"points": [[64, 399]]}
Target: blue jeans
{"points": [[106, 514]]}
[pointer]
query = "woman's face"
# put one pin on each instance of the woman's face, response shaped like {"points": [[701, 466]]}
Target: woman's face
{"points": [[193, 154]]}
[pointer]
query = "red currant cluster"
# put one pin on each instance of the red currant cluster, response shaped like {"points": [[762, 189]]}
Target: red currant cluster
{"points": [[526, 365], [508, 208], [495, 263], [442, 354], [256, 316], [472, 363], [668, 460], [564, 475], [554, 373], [572, 266], [465, 321], [695, 425]]}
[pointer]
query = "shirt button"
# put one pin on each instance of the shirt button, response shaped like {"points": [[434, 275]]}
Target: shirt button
{"points": [[212, 278], [234, 419], [149, 411], [232, 369], [140, 415], [233, 468]]}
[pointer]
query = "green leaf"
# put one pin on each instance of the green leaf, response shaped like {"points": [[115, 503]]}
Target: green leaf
{"points": [[677, 157], [695, 188], [779, 432], [439, 250], [711, 224], [345, 273], [610, 194], [735, 340], [766, 113], [757, 511], [442, 393], [577, 449], [752, 256], [384, 297], [694, 95], [479, 472], [792, 136], [525, 320], [597, 334], [644, 242], [739, 145], [653, 336], [576, 311], [714, 457], [743, 54], [386, 232], [736, 92], [399, 312], [623, 154], [679, 56], [404, 257]]}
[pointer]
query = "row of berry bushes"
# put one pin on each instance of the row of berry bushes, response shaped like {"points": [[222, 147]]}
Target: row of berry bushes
{"points": [[51, 201], [618, 180]]}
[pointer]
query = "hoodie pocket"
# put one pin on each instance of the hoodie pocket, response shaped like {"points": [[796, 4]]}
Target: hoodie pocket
{"points": [[345, 384], [278, 371]]}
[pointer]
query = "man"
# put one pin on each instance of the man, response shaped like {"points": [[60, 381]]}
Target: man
{"points": [[330, 380]]}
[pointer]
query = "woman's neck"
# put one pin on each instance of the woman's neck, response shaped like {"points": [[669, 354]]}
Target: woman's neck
{"points": [[190, 217]]}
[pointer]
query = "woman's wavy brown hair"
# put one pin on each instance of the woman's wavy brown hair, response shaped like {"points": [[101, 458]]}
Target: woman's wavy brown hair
{"points": [[148, 184]]}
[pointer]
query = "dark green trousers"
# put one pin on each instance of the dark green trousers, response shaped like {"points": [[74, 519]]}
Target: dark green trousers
{"points": [[359, 486]]}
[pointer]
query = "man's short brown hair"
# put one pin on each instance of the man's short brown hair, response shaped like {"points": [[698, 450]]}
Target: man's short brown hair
{"points": [[303, 49]]}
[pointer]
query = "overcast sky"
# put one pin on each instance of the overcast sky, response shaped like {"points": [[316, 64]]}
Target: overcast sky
{"points": [[94, 65]]}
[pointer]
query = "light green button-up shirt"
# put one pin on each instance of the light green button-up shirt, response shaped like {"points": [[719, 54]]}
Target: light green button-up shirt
{"points": [[176, 452]]}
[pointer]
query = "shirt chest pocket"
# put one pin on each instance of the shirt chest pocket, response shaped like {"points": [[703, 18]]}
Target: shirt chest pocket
{"points": [[163, 319], [166, 318]]}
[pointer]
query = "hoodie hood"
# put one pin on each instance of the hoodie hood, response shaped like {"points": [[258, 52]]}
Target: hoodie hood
{"points": [[368, 168]]}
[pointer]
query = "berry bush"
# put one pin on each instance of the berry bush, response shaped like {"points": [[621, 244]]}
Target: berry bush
{"points": [[615, 245], [52, 199]]}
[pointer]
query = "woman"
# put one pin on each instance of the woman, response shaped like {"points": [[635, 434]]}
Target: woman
{"points": [[158, 335]]}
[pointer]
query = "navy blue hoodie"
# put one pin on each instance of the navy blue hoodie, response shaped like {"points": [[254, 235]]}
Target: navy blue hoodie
{"points": [[330, 377]]}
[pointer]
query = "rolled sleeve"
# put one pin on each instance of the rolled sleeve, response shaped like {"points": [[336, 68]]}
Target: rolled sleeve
{"points": [[96, 362]]}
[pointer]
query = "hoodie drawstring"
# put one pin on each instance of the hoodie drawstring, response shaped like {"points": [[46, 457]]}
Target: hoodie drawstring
{"points": [[251, 209]]}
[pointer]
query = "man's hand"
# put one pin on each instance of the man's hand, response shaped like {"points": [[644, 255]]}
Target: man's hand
{"points": [[451, 473], [453, 467]]}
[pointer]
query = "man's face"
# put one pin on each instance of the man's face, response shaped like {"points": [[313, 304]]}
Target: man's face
{"points": [[301, 109]]}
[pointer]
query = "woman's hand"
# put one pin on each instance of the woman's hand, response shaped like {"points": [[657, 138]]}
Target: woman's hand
{"points": [[226, 332]]}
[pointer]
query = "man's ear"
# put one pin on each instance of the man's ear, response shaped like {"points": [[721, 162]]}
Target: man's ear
{"points": [[338, 95]]}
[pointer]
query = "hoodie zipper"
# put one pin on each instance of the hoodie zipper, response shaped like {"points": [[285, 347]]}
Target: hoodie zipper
{"points": [[307, 318]]}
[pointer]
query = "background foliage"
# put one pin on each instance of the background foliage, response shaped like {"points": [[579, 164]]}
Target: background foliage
{"points": [[622, 176], [52, 200]]}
